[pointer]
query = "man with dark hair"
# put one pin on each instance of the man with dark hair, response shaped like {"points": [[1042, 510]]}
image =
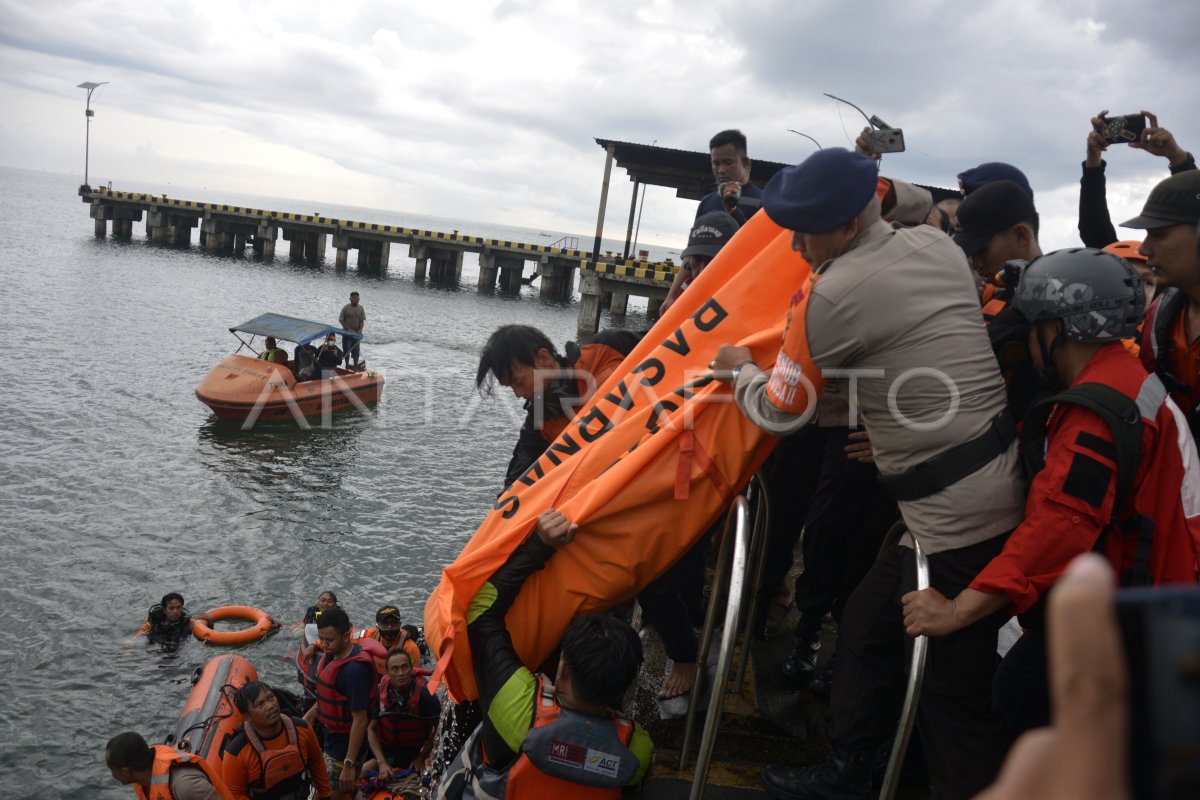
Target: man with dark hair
{"points": [[273, 352], [735, 193], [161, 772], [346, 694], [352, 318], [402, 734], [168, 622], [998, 223], [553, 386], [1171, 334], [272, 756], [390, 633], [537, 740]]}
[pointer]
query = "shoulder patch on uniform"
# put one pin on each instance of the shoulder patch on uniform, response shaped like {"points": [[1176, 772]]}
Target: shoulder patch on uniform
{"points": [[1098, 445], [1088, 480]]}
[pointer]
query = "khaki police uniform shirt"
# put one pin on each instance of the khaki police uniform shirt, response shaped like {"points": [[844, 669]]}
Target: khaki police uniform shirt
{"points": [[900, 308]]}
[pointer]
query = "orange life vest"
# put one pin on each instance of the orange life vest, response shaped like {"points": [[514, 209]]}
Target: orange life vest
{"points": [[568, 754], [283, 769], [165, 758]]}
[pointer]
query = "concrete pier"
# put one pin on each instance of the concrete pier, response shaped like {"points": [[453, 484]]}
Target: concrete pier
{"points": [[437, 255]]}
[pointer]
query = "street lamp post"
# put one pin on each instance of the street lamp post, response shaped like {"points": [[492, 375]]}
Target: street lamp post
{"points": [[88, 113]]}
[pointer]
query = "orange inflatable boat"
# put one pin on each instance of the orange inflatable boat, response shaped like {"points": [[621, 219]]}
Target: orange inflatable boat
{"points": [[245, 387], [645, 467], [209, 717]]}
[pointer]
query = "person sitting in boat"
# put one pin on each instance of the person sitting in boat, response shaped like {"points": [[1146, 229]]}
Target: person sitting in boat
{"points": [[538, 740], [329, 357], [310, 646], [306, 362], [553, 386], [272, 756], [168, 622], [273, 352], [161, 772], [402, 735], [389, 632], [346, 696]]}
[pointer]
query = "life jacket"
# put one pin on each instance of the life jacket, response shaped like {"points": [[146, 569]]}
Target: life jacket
{"points": [[402, 728], [332, 707], [1158, 347], [164, 630], [564, 754], [283, 770], [165, 758], [270, 355], [306, 674], [568, 754]]}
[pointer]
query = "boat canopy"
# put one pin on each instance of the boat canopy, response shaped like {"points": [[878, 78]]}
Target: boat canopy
{"points": [[290, 329]]}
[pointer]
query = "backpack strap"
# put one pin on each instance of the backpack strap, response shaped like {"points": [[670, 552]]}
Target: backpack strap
{"points": [[1121, 414]]}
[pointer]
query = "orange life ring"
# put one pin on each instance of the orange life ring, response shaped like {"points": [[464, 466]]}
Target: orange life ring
{"points": [[261, 627]]}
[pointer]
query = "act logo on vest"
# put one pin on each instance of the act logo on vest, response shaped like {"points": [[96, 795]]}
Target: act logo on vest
{"points": [[569, 754]]}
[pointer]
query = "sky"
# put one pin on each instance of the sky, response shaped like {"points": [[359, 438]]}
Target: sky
{"points": [[488, 110]]}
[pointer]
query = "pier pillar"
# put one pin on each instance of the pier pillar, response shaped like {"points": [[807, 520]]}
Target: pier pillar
{"points": [[654, 306], [619, 304], [487, 272], [588, 321], [101, 227], [264, 240], [339, 261], [382, 256], [123, 229], [445, 266], [510, 274], [606, 300], [296, 249], [181, 233], [239, 243]]}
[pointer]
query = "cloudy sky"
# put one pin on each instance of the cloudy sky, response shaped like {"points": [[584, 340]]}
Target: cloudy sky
{"points": [[487, 110]]}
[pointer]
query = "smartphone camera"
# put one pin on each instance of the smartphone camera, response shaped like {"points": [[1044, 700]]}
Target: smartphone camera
{"points": [[1161, 629], [1124, 129]]}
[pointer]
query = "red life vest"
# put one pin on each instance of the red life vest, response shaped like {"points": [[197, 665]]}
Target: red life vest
{"points": [[165, 758], [1158, 350], [283, 770], [333, 708], [401, 727], [527, 780]]}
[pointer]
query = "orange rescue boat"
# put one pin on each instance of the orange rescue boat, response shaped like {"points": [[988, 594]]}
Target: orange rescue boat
{"points": [[251, 389], [209, 718]]}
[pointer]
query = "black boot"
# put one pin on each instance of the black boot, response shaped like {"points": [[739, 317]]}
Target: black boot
{"points": [[822, 681], [802, 662], [845, 775]]}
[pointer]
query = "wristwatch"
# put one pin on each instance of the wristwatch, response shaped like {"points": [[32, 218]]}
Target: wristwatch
{"points": [[738, 371], [348, 763]]}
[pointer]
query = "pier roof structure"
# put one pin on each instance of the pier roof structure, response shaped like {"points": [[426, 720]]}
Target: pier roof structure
{"points": [[688, 172]]}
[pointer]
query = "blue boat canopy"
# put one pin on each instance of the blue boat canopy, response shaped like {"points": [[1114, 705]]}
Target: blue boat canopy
{"points": [[290, 329]]}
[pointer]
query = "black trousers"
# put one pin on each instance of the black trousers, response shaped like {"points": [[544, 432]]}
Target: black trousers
{"points": [[848, 516], [790, 477], [1021, 693], [963, 738]]}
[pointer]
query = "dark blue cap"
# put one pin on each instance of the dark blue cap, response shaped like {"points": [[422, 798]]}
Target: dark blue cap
{"points": [[826, 190], [990, 172]]}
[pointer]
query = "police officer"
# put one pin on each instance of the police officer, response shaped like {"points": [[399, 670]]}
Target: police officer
{"points": [[1080, 304], [899, 309]]}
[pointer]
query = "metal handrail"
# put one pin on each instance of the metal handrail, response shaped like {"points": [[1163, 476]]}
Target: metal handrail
{"points": [[757, 495], [734, 553], [916, 674]]}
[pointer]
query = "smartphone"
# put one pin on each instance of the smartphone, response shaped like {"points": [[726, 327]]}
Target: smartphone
{"points": [[886, 140], [1161, 630], [1126, 129]]}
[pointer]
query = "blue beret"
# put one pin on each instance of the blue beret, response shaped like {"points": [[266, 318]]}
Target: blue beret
{"points": [[826, 190]]}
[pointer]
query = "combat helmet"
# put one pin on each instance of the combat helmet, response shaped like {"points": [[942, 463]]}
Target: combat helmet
{"points": [[1097, 295]]}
